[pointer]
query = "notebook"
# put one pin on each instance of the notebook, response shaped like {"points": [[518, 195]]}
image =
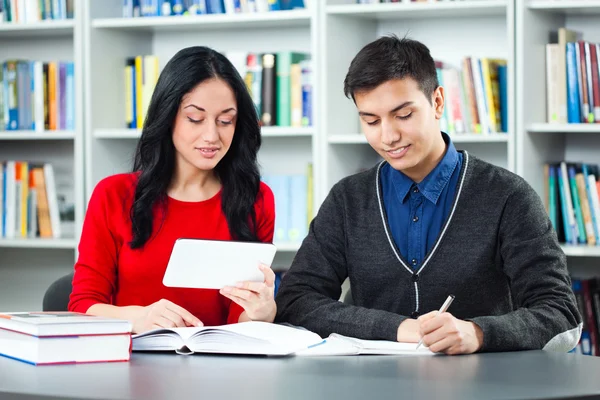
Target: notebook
{"points": [[214, 264], [253, 337], [42, 338], [339, 345]]}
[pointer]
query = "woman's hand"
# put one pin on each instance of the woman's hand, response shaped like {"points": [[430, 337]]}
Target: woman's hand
{"points": [[257, 298], [163, 314]]}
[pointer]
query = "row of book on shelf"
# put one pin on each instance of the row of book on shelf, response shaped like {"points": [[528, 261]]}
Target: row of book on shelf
{"points": [[280, 85], [35, 10], [475, 97], [29, 205], [572, 201], [572, 79], [405, 1], [587, 294], [161, 8], [36, 95], [293, 195]]}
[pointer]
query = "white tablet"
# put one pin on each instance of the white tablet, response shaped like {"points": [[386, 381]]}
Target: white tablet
{"points": [[213, 264]]}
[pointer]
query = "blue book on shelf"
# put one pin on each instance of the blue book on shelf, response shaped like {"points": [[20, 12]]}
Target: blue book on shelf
{"points": [[298, 195], [306, 78], [274, 5], [563, 206], [588, 191], [70, 86], [215, 7], [177, 7], [291, 4], [195, 7], [503, 89], [573, 107], [279, 187], [577, 204]]}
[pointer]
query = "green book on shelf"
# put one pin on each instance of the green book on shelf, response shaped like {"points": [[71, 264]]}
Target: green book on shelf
{"points": [[285, 59]]}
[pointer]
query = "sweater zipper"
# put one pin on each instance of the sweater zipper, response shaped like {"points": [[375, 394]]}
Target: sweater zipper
{"points": [[415, 275]]}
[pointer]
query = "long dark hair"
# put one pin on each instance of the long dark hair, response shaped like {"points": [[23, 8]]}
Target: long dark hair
{"points": [[155, 154]]}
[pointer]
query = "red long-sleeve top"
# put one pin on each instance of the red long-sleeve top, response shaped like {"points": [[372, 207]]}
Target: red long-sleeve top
{"points": [[108, 271]]}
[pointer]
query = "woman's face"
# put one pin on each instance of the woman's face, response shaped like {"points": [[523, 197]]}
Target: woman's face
{"points": [[204, 125]]}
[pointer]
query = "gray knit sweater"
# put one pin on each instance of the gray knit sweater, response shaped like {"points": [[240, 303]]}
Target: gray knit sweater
{"points": [[497, 253]]}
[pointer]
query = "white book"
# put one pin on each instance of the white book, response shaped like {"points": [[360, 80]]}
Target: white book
{"points": [[38, 95], [595, 201], [62, 337], [52, 200], [256, 338], [1, 199], [43, 324], [339, 345], [10, 196]]}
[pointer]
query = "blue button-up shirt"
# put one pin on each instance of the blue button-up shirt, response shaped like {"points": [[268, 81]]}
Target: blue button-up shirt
{"points": [[416, 212]]}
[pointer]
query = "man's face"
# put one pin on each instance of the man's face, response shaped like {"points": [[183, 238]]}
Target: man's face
{"points": [[402, 125]]}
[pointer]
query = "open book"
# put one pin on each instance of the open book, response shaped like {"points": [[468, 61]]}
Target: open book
{"points": [[339, 345], [258, 338]]}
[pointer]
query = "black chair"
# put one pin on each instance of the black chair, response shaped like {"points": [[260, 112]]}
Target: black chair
{"points": [[57, 295]]}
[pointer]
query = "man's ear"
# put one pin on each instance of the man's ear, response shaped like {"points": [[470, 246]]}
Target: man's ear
{"points": [[438, 100]]}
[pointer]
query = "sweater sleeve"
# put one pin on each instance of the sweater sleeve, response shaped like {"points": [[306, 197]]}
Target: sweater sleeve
{"points": [[96, 267], [545, 312], [309, 292], [265, 229]]}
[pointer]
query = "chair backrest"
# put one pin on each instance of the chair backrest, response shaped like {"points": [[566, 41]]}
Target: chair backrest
{"points": [[57, 295]]}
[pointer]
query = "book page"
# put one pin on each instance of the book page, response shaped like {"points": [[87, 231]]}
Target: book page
{"points": [[339, 345], [384, 346], [253, 338]]}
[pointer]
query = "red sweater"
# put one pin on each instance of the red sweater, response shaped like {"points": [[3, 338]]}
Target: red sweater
{"points": [[108, 271]]}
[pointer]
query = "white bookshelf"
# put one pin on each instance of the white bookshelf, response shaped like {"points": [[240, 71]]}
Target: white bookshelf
{"points": [[564, 128], [38, 243], [333, 31], [405, 10], [441, 26], [538, 142], [37, 29], [33, 135], [268, 131], [581, 251], [29, 265]]}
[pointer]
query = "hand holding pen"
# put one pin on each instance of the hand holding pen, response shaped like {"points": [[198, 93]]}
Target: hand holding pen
{"points": [[444, 333]]}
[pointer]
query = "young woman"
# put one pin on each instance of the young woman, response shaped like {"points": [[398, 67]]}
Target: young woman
{"points": [[195, 176]]}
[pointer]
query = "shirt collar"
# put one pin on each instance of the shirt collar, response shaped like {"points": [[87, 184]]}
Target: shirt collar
{"points": [[434, 183]]}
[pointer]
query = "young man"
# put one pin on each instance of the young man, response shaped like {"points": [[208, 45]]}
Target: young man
{"points": [[427, 222]]}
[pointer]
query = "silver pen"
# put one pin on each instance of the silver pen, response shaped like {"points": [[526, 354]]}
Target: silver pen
{"points": [[444, 307]]}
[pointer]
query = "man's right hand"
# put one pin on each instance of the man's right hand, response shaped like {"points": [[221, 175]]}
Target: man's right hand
{"points": [[408, 331], [163, 314]]}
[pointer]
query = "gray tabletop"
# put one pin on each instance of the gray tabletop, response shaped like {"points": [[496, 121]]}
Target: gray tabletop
{"points": [[522, 375]]}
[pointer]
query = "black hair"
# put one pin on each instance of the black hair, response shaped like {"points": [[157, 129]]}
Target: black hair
{"points": [[154, 159], [389, 58]]}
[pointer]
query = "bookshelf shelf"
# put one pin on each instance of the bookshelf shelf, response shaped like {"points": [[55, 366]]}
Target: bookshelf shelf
{"points": [[270, 131], [32, 135], [397, 11], [564, 128], [353, 138], [275, 19], [37, 29], [117, 133], [581, 251], [573, 7], [38, 243]]}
